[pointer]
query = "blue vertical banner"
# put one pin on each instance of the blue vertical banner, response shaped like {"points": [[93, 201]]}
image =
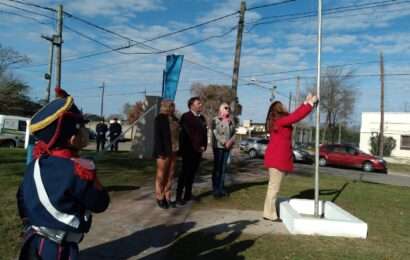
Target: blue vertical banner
{"points": [[171, 76]]}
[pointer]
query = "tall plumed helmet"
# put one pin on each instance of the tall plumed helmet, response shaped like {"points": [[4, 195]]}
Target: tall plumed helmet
{"points": [[56, 122]]}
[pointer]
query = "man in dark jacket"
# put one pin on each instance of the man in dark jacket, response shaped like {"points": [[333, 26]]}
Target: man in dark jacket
{"points": [[101, 130], [193, 144], [115, 132]]}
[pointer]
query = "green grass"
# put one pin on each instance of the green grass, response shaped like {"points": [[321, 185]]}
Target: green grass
{"points": [[385, 208], [397, 167], [117, 173]]}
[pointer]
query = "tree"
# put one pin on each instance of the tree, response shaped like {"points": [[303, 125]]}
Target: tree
{"points": [[13, 92], [337, 99], [133, 112], [14, 99], [212, 96], [9, 57]]}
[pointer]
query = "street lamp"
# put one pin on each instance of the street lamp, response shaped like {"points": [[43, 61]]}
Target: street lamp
{"points": [[254, 81]]}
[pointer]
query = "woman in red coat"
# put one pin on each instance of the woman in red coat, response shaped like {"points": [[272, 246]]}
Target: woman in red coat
{"points": [[278, 155]]}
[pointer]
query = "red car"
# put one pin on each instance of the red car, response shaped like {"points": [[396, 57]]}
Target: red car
{"points": [[349, 156]]}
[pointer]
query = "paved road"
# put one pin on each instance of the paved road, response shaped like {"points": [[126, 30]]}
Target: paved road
{"points": [[306, 169], [357, 175]]}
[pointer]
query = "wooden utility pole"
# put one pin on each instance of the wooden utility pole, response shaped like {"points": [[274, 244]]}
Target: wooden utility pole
{"points": [[102, 100], [59, 43], [48, 75], [237, 59], [381, 133]]}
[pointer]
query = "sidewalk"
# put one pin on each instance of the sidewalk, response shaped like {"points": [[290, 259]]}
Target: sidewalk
{"points": [[135, 228]]}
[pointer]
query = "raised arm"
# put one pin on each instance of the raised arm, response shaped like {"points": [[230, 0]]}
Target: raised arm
{"points": [[299, 114]]}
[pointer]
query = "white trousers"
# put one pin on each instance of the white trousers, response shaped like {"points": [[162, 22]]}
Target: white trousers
{"points": [[275, 179]]}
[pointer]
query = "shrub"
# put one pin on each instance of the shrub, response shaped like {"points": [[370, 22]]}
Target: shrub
{"points": [[389, 145]]}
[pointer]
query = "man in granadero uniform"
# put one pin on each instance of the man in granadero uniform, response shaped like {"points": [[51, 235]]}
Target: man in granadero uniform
{"points": [[115, 132], [101, 130], [59, 189]]}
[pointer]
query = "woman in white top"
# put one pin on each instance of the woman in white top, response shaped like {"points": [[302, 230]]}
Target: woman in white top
{"points": [[223, 138]]}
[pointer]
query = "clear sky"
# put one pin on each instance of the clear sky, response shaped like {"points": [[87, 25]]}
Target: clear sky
{"points": [[279, 45]]}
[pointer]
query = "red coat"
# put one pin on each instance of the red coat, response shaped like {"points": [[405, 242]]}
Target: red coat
{"points": [[278, 154]]}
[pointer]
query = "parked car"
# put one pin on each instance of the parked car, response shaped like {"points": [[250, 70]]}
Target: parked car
{"points": [[12, 130], [92, 135], [254, 146], [300, 155], [350, 156]]}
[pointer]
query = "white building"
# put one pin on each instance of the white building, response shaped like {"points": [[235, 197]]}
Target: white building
{"points": [[396, 125]]}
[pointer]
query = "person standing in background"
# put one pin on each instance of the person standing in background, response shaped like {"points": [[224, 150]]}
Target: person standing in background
{"points": [[101, 130], [194, 141], [223, 139], [115, 132], [166, 146]]}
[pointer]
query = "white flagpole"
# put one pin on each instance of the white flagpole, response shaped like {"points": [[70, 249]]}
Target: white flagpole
{"points": [[319, 50]]}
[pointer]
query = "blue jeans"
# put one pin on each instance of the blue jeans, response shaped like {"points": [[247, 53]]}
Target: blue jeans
{"points": [[220, 165]]}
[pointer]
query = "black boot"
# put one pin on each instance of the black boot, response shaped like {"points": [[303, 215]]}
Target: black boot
{"points": [[165, 203]]}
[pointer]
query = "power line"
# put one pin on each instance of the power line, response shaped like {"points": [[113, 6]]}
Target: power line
{"points": [[314, 68], [309, 69], [24, 16], [143, 43], [347, 76], [27, 10], [33, 5], [269, 5], [341, 8], [330, 11], [189, 44], [192, 27]]}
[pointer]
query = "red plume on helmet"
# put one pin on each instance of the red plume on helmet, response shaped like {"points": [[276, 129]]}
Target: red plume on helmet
{"points": [[61, 93]]}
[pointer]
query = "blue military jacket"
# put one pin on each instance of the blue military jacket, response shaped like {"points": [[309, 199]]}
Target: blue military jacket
{"points": [[60, 192]]}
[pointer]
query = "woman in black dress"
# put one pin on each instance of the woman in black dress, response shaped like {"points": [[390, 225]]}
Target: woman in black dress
{"points": [[166, 146]]}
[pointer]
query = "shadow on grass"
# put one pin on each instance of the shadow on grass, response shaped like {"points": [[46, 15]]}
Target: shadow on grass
{"points": [[121, 188], [310, 193], [215, 242], [232, 189], [136, 243]]}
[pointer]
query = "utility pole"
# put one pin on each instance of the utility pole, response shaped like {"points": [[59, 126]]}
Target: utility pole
{"points": [[102, 100], [273, 94], [381, 134], [339, 139], [297, 93], [237, 60], [48, 75], [297, 97], [59, 43], [290, 101]]}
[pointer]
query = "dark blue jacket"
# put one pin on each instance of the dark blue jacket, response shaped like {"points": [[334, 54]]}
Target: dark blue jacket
{"points": [[72, 191]]}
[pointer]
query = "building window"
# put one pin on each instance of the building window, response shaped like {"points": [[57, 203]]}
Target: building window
{"points": [[22, 126], [405, 142]]}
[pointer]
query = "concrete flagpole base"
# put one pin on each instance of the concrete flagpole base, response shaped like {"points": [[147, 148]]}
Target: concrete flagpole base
{"points": [[298, 217]]}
